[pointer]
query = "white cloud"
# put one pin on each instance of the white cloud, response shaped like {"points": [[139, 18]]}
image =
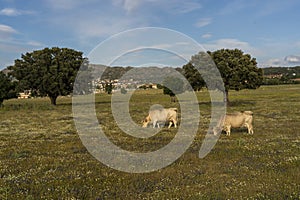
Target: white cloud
{"points": [[12, 49], [34, 44], [246, 48], [236, 6], [6, 32], [67, 4], [203, 22], [273, 62], [98, 23], [105, 19], [9, 12], [292, 59], [187, 6], [174, 7], [14, 44], [7, 29], [12, 12], [226, 43], [131, 5], [206, 36], [231, 44]]}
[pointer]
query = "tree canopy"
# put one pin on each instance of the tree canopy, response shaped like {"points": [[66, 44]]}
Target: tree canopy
{"points": [[7, 88], [49, 72], [173, 86], [238, 70], [108, 88], [193, 76]]}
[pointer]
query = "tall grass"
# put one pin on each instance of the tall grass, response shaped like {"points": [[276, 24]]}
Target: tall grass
{"points": [[42, 157]]}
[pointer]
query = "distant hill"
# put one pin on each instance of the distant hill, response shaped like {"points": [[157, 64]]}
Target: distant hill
{"points": [[142, 74], [272, 75]]}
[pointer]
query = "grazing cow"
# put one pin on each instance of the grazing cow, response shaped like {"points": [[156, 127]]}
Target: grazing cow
{"points": [[161, 115], [235, 120]]}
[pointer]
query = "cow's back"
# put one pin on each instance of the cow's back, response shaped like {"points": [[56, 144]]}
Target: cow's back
{"points": [[235, 120], [160, 115]]}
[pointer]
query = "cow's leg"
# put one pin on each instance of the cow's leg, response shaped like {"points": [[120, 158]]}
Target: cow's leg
{"points": [[250, 129], [175, 123], [247, 126], [215, 129], [154, 124], [228, 130], [170, 124]]}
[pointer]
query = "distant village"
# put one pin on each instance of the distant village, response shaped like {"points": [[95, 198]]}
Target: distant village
{"points": [[99, 86], [117, 85]]}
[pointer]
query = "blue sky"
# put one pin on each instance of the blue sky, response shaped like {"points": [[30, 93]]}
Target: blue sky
{"points": [[267, 29]]}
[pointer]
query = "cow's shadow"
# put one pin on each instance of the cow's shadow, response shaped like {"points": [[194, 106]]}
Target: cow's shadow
{"points": [[241, 130]]}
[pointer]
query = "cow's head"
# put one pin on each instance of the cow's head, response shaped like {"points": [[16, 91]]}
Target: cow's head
{"points": [[146, 122]]}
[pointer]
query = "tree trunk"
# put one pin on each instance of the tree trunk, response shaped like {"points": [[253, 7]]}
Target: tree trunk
{"points": [[53, 100], [173, 99]]}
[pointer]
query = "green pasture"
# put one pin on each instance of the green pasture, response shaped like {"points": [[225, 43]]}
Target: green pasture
{"points": [[42, 157]]}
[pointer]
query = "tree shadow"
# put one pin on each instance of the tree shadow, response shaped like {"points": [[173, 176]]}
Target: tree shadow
{"points": [[59, 104], [241, 103], [204, 103]]}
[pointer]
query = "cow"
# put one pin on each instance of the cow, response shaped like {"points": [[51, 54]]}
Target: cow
{"points": [[235, 120], [161, 115]]}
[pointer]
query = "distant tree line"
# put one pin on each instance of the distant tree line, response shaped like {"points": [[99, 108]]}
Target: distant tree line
{"points": [[112, 73], [288, 71], [51, 72]]}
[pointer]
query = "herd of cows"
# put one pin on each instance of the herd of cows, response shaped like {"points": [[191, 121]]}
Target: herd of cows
{"points": [[228, 121]]}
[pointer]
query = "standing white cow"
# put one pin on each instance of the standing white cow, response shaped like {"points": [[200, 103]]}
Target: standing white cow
{"points": [[161, 115], [235, 120]]}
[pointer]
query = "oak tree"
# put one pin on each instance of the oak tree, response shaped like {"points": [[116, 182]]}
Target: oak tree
{"points": [[173, 86], [48, 72], [237, 70]]}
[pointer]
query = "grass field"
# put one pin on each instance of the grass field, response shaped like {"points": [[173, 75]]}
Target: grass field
{"points": [[42, 157]]}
